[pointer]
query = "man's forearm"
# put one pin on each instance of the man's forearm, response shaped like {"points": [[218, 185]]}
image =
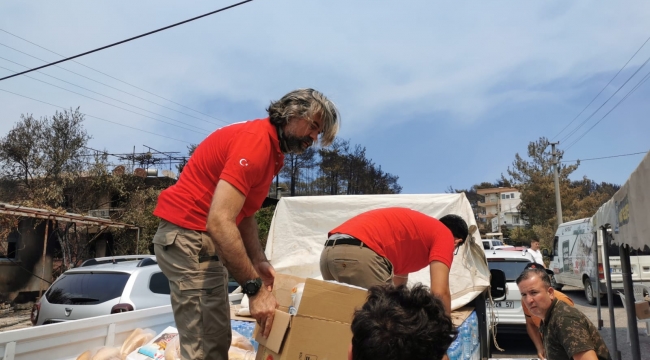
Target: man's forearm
{"points": [[231, 250], [250, 236]]}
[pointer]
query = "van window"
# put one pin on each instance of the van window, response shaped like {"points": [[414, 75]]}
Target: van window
{"points": [[486, 245]]}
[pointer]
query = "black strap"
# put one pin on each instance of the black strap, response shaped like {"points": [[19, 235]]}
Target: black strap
{"points": [[345, 241], [208, 258]]}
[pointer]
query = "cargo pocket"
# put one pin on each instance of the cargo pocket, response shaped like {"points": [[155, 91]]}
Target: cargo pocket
{"points": [[205, 307], [165, 238]]}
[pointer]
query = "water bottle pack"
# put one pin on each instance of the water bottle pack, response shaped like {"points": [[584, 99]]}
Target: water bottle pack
{"points": [[467, 341], [245, 328]]}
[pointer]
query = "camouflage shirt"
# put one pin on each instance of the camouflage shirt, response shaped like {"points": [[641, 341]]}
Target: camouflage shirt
{"points": [[567, 331]]}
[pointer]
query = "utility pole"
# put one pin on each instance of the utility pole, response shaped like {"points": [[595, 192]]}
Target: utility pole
{"points": [[556, 169]]}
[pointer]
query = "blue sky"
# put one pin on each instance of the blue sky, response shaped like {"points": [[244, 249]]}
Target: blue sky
{"points": [[439, 93]]}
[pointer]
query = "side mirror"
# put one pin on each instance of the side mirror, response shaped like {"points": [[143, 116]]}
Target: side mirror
{"points": [[497, 284]]}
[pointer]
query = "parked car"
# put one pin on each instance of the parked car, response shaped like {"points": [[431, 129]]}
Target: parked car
{"points": [[494, 244], [103, 286], [509, 313]]}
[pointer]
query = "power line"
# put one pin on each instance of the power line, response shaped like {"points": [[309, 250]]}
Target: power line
{"points": [[603, 89], [112, 87], [641, 82], [606, 157], [96, 117], [203, 131], [606, 101], [126, 40]]}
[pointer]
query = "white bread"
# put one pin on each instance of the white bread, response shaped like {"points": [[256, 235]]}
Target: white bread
{"points": [[127, 343], [239, 341], [107, 353], [173, 350], [86, 355]]}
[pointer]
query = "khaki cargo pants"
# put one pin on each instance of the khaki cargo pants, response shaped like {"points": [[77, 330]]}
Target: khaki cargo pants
{"points": [[355, 265], [199, 292]]}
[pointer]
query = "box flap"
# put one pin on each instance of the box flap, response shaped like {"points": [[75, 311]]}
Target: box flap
{"points": [[278, 329], [325, 300], [314, 339], [459, 315], [282, 286]]}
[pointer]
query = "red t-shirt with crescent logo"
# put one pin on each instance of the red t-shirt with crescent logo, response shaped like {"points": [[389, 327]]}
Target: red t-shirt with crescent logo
{"points": [[247, 155], [409, 239]]}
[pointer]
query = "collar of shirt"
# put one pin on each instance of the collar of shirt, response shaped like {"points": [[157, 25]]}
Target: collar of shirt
{"points": [[273, 134]]}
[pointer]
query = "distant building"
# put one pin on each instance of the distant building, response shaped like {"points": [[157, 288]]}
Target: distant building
{"points": [[500, 207]]}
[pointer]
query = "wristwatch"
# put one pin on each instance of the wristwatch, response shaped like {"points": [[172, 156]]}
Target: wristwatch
{"points": [[251, 287]]}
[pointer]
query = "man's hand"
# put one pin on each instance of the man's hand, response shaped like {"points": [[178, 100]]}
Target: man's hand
{"points": [[262, 307], [266, 271], [541, 355]]}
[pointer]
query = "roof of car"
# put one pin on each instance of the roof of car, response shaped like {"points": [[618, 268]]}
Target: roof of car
{"points": [[127, 266], [509, 254]]}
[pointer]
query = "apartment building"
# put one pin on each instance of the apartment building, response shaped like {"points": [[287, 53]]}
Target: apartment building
{"points": [[498, 208]]}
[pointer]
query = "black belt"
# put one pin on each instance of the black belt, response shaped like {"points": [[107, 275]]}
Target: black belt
{"points": [[345, 241], [208, 258]]}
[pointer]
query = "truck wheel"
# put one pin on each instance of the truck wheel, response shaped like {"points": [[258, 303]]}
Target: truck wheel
{"points": [[589, 293], [554, 283]]}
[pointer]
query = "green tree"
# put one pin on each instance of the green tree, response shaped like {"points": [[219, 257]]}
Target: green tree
{"points": [[535, 181]]}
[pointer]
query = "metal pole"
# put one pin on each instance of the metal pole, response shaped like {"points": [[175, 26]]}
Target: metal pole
{"points": [[596, 281], [137, 242], [629, 299], [556, 165], [47, 225], [610, 293], [277, 184]]}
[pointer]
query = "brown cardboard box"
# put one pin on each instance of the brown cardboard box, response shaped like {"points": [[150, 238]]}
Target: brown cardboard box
{"points": [[642, 309], [321, 327]]}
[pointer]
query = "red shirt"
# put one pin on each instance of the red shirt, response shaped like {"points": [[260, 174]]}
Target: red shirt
{"points": [[247, 155], [410, 240]]}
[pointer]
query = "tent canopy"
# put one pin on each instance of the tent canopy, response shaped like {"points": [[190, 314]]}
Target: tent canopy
{"points": [[628, 211], [300, 226]]}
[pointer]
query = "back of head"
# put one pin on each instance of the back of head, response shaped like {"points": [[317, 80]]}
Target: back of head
{"points": [[397, 323], [457, 225]]}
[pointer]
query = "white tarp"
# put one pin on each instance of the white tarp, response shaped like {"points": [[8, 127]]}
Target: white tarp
{"points": [[628, 211], [300, 226]]}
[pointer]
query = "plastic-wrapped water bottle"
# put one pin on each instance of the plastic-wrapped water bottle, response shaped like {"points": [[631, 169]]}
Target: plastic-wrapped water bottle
{"points": [[454, 351], [474, 324], [466, 339]]}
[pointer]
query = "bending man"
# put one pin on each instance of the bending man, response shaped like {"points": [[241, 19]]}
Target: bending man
{"points": [[208, 219], [383, 246]]}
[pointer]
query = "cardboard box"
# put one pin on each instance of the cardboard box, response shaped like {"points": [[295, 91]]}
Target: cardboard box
{"points": [[642, 309], [321, 327]]}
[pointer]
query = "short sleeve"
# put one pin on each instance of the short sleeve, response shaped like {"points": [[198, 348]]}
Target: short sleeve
{"points": [[442, 248], [246, 162], [576, 337]]}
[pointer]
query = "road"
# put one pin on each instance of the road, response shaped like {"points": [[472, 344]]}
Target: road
{"points": [[522, 348]]}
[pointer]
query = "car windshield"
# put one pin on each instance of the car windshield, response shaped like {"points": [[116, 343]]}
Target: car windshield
{"points": [[512, 268], [86, 288]]}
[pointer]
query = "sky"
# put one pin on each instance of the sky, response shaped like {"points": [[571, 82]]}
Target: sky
{"points": [[439, 93]]}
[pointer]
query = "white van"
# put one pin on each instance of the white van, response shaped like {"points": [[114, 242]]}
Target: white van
{"points": [[572, 259]]}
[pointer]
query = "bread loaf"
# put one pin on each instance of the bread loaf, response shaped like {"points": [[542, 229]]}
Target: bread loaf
{"points": [[107, 353], [127, 343], [86, 355]]}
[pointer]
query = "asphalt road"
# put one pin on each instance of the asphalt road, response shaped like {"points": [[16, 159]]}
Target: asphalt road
{"points": [[521, 347]]}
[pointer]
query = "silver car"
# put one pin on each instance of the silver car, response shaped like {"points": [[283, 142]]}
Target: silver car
{"points": [[103, 286]]}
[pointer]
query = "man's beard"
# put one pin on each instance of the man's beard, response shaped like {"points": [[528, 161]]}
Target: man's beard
{"points": [[295, 144]]}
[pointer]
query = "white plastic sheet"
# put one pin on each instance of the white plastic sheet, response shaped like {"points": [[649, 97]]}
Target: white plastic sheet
{"points": [[300, 226]]}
